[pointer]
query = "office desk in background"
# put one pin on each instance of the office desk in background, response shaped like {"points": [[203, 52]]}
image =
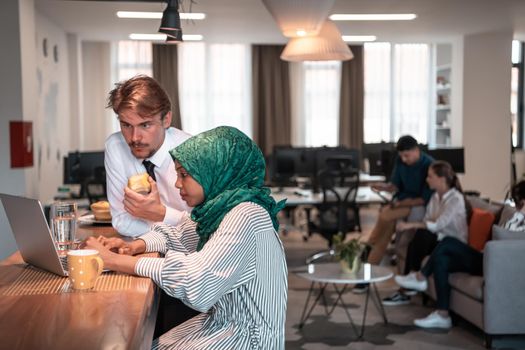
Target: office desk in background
{"points": [[367, 179], [296, 196], [38, 310]]}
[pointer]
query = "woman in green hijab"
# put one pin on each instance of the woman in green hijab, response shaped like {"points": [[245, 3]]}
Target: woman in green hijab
{"points": [[226, 259]]}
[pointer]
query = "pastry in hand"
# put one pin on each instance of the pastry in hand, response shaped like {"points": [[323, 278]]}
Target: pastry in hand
{"points": [[101, 211], [139, 183]]}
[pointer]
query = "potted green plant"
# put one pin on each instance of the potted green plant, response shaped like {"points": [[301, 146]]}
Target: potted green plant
{"points": [[349, 253]]}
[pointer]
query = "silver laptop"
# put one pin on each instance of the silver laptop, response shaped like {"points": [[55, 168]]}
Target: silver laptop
{"points": [[32, 234]]}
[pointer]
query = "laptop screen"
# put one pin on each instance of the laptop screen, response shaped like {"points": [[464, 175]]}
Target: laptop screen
{"points": [[32, 233]]}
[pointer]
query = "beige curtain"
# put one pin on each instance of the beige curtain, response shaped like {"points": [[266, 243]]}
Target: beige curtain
{"points": [[165, 72], [352, 100], [271, 98]]}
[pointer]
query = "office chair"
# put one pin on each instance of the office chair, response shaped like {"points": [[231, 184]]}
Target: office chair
{"points": [[339, 211]]}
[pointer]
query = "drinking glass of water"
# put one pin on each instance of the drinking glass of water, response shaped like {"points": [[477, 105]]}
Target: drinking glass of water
{"points": [[64, 225]]}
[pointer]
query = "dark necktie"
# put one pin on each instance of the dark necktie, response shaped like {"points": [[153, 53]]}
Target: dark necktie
{"points": [[149, 168]]}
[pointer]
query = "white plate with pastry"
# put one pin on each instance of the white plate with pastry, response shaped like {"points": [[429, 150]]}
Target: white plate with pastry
{"points": [[101, 214], [89, 219]]}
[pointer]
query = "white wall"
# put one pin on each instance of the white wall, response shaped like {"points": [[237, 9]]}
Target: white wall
{"points": [[13, 180], [53, 113], [486, 112], [29, 86], [33, 88], [96, 76], [74, 46], [10, 93]]}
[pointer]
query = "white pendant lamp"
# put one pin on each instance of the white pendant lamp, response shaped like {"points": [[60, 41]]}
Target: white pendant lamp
{"points": [[299, 17], [328, 45]]}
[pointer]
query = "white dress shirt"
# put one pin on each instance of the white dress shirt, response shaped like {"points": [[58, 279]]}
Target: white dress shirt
{"points": [[447, 216], [120, 164]]}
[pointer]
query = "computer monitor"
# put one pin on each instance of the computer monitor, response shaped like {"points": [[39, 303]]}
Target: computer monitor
{"points": [[82, 166], [288, 163], [388, 161], [294, 161], [454, 156], [337, 156], [283, 166], [306, 161], [374, 153]]}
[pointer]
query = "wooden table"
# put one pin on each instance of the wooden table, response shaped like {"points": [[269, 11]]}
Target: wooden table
{"points": [[38, 310]]}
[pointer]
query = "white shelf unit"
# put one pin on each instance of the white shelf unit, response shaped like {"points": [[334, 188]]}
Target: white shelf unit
{"points": [[440, 131]]}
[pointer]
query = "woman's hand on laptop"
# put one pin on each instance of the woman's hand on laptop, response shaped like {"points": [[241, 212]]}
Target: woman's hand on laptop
{"points": [[112, 261], [120, 246]]}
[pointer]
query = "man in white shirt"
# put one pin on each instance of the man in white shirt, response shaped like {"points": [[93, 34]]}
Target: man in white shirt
{"points": [[144, 112]]}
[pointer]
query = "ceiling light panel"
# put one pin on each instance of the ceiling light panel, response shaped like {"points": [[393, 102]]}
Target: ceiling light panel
{"points": [[359, 38], [158, 15], [373, 16], [192, 37], [162, 37]]}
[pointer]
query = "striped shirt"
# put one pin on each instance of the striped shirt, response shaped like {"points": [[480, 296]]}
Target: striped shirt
{"points": [[238, 280]]}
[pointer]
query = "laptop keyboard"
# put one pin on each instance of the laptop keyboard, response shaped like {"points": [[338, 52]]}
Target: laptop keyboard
{"points": [[63, 262]]}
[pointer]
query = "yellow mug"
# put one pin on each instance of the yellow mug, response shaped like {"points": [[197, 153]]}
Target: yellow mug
{"points": [[84, 267]]}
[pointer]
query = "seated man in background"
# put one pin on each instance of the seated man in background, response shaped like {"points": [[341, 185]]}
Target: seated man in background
{"points": [[408, 182], [142, 144]]}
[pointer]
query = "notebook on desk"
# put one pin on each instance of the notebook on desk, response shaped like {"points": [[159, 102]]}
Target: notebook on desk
{"points": [[32, 234]]}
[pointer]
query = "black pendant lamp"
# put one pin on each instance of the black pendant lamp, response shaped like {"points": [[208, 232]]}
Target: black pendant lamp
{"points": [[177, 39], [170, 23]]}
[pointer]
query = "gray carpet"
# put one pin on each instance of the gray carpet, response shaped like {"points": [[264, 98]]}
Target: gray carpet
{"points": [[334, 331]]}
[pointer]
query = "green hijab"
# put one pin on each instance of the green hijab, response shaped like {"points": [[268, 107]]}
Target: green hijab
{"points": [[230, 168]]}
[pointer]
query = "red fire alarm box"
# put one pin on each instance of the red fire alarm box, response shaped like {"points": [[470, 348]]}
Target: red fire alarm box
{"points": [[21, 140]]}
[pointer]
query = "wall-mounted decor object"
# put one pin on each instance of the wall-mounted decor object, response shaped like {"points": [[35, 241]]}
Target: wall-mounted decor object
{"points": [[44, 47], [55, 53], [21, 143]]}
